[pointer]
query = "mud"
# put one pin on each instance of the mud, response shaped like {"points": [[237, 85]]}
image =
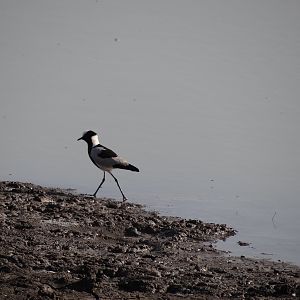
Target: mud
{"points": [[58, 245]]}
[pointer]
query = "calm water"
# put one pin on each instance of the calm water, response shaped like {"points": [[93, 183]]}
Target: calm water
{"points": [[202, 96]]}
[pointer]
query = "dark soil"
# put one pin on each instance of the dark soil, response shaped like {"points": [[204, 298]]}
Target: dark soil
{"points": [[57, 245]]}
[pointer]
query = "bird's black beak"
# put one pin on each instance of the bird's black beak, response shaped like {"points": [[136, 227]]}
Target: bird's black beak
{"points": [[79, 139]]}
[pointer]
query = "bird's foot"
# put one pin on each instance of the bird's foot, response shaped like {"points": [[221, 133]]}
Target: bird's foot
{"points": [[124, 199], [94, 195]]}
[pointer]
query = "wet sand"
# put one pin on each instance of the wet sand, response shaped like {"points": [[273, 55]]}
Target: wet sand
{"points": [[55, 244]]}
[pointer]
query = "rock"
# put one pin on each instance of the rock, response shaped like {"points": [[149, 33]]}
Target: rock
{"points": [[152, 272], [46, 290], [119, 249], [21, 224], [136, 285], [113, 204], [132, 231], [175, 288], [243, 243]]}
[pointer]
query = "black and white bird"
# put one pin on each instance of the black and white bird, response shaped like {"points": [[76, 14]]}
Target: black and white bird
{"points": [[105, 159]]}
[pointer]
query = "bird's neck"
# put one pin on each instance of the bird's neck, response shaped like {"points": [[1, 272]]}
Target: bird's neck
{"points": [[95, 140]]}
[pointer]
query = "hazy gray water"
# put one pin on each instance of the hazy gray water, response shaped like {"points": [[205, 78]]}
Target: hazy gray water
{"points": [[203, 96]]}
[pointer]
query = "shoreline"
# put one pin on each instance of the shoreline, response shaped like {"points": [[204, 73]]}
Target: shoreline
{"points": [[60, 245]]}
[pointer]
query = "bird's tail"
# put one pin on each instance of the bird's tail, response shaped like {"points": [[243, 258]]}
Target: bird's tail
{"points": [[127, 167]]}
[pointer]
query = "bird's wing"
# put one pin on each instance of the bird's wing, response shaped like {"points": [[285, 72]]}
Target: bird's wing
{"points": [[103, 152]]}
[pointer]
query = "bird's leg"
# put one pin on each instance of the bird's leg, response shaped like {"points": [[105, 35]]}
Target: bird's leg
{"points": [[103, 179], [116, 180]]}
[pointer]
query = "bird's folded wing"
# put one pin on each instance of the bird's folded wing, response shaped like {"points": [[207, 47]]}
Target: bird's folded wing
{"points": [[103, 152]]}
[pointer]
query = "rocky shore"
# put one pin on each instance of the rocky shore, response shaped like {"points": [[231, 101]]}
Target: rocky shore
{"points": [[55, 244]]}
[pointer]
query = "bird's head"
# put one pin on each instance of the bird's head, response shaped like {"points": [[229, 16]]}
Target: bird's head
{"points": [[88, 135]]}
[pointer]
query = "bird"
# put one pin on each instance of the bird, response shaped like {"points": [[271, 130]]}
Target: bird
{"points": [[105, 159]]}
